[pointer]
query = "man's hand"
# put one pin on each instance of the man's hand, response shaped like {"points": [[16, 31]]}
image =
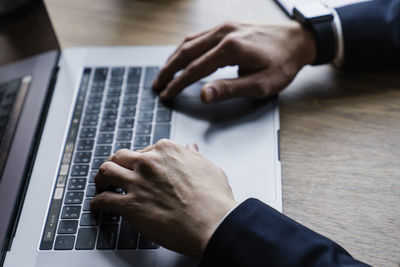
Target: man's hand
{"points": [[174, 196], [268, 57]]}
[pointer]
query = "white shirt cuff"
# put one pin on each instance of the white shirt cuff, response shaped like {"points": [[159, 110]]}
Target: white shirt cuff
{"points": [[337, 28]]}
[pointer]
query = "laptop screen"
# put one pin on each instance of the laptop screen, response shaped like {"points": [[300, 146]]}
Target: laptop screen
{"points": [[27, 43]]}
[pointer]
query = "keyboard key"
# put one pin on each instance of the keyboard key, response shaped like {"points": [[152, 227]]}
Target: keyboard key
{"points": [[77, 184], [73, 198], [95, 98], [146, 117], [102, 151], [124, 136], [86, 204], [100, 74], [128, 237], [142, 141], [143, 129], [107, 236], [112, 103], [67, 226], [148, 94], [130, 100], [147, 105], [79, 170], [122, 145], [134, 75], [117, 72], [98, 86], [110, 114], [163, 115], [126, 123], [85, 145], [105, 138], [107, 126], [117, 82], [135, 148], [161, 131], [150, 75], [114, 91], [91, 176], [132, 89], [86, 238], [89, 219], [82, 157], [90, 120], [88, 133], [71, 212], [64, 242], [97, 163], [128, 111], [107, 217], [93, 109], [145, 243], [91, 191]]}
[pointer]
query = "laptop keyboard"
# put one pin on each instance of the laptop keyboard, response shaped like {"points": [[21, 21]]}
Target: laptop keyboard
{"points": [[116, 108]]}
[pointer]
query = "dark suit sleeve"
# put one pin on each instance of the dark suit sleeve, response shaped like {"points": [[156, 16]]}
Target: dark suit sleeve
{"points": [[371, 34], [255, 234]]}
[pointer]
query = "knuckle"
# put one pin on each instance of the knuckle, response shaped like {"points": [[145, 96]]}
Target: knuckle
{"points": [[147, 160], [164, 143], [232, 42], [229, 26], [188, 38], [120, 153], [185, 50], [105, 167]]}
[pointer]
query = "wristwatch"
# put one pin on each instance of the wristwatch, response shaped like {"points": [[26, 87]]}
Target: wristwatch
{"points": [[319, 19]]}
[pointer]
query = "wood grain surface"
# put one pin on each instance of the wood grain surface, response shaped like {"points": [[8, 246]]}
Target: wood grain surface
{"points": [[340, 132]]}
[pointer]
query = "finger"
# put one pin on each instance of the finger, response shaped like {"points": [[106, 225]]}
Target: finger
{"points": [[125, 158], [186, 53], [192, 147], [257, 85], [201, 67], [108, 201], [112, 174], [188, 39]]}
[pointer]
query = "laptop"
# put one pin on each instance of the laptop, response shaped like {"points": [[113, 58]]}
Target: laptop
{"points": [[62, 113]]}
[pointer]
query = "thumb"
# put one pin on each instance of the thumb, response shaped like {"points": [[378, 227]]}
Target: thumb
{"points": [[255, 85]]}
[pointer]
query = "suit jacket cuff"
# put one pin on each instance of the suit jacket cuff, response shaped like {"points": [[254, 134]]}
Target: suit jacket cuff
{"points": [[255, 234]]}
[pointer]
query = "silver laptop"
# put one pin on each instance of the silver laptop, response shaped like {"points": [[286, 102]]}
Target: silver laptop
{"points": [[63, 113]]}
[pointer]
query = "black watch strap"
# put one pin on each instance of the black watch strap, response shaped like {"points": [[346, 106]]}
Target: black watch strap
{"points": [[325, 41], [319, 19]]}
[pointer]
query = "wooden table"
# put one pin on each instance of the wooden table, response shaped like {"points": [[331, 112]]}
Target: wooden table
{"points": [[340, 133]]}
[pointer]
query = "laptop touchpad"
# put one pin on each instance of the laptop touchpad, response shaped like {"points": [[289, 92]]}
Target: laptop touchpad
{"points": [[238, 135]]}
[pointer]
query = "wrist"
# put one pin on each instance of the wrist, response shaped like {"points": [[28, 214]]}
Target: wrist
{"points": [[220, 213], [307, 45]]}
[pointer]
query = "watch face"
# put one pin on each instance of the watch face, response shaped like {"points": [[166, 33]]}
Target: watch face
{"points": [[313, 10]]}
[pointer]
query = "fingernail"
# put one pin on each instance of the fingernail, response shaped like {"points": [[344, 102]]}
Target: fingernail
{"points": [[211, 94]]}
